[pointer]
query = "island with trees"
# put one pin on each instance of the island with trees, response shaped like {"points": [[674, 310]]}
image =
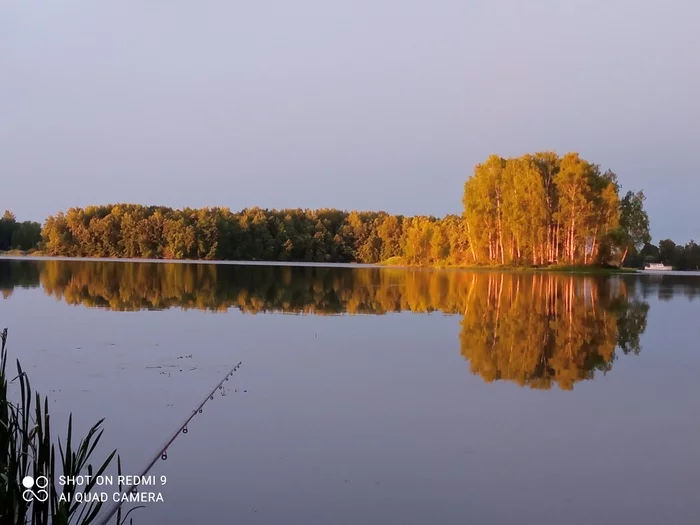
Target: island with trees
{"points": [[538, 210]]}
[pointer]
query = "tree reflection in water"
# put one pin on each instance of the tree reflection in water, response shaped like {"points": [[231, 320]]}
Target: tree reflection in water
{"points": [[534, 329]]}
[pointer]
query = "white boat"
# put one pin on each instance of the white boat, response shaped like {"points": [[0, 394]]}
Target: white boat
{"points": [[658, 267]]}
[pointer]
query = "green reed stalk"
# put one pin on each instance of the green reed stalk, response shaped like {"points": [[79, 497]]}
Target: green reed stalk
{"points": [[27, 449]]}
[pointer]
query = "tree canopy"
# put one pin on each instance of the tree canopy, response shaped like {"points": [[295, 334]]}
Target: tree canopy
{"points": [[538, 209], [545, 209], [325, 235], [16, 235]]}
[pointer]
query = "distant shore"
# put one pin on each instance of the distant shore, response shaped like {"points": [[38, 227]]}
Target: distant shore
{"points": [[17, 255], [394, 262], [38, 256]]}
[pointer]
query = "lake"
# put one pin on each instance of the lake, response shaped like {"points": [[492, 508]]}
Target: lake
{"points": [[374, 395]]}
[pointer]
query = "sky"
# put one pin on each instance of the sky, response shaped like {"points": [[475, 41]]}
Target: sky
{"points": [[351, 104]]}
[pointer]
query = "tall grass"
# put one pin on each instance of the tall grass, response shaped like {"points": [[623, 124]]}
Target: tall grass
{"points": [[27, 449]]}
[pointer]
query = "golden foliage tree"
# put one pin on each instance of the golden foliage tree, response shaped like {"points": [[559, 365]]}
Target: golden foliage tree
{"points": [[540, 209]]}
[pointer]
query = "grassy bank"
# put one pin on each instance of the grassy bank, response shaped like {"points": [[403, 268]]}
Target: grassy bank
{"points": [[21, 253], [581, 269], [399, 262]]}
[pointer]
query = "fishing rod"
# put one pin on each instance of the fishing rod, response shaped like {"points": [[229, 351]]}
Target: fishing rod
{"points": [[163, 451]]}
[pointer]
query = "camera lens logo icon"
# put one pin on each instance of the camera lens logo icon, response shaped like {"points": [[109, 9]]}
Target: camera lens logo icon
{"points": [[40, 484]]}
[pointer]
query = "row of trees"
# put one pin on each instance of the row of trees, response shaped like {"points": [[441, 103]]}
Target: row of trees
{"points": [[680, 257], [325, 235], [537, 209], [16, 235], [545, 209]]}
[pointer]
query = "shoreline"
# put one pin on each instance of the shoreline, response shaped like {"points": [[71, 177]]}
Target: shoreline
{"points": [[590, 270], [389, 265]]}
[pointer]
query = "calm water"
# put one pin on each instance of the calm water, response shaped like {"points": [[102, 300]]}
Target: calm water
{"points": [[376, 396]]}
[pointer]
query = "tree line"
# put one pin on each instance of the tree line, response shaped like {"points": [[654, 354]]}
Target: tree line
{"points": [[16, 235], [538, 209], [680, 257], [256, 234]]}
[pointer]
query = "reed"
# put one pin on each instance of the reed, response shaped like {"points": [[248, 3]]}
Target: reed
{"points": [[27, 449]]}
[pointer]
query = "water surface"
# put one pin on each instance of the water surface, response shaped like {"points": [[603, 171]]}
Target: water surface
{"points": [[387, 396]]}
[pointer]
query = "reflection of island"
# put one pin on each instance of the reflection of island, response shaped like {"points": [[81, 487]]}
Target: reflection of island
{"points": [[130, 286], [543, 329], [533, 329]]}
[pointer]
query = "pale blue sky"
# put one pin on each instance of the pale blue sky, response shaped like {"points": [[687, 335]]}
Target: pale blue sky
{"points": [[362, 104]]}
